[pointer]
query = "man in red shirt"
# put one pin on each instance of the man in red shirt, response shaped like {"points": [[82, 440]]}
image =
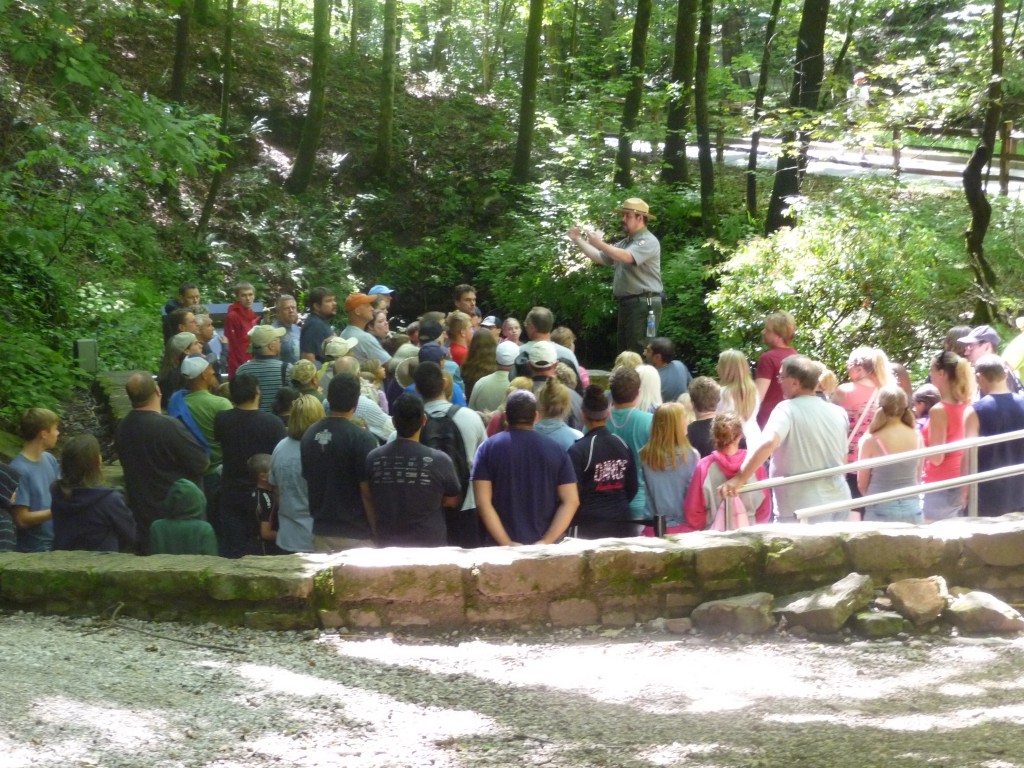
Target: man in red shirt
{"points": [[778, 332], [240, 320]]}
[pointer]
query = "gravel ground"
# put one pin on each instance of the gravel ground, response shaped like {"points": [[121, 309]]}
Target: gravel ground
{"points": [[79, 693]]}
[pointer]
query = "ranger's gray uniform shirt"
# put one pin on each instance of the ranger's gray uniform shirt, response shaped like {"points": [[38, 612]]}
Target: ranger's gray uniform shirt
{"points": [[645, 275]]}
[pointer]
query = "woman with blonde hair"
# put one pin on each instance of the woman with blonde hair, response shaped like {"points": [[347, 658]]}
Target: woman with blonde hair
{"points": [[553, 407], [668, 462], [295, 533], [893, 429], [628, 359], [868, 370], [953, 377], [739, 394], [650, 388]]}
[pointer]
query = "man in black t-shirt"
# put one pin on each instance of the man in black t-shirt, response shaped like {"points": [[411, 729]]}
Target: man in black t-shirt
{"points": [[242, 432], [334, 454], [410, 484]]}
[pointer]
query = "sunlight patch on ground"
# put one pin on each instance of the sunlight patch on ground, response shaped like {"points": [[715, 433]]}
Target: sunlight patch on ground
{"points": [[674, 678], [422, 726], [121, 727], [677, 754], [274, 158], [705, 680]]}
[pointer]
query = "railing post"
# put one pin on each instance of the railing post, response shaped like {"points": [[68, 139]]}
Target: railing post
{"points": [[972, 489], [1005, 138]]}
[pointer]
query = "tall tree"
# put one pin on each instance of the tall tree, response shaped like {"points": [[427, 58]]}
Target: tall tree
{"points": [[386, 121], [182, 50], [225, 111], [439, 52], [732, 42], [702, 119], [522, 165], [759, 93], [675, 168], [981, 210], [808, 69], [634, 97], [302, 171]]}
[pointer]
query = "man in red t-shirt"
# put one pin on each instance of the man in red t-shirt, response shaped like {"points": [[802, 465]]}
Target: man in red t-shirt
{"points": [[240, 320], [778, 332]]}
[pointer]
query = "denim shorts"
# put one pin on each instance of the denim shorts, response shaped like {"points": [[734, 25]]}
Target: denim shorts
{"points": [[898, 511], [941, 505]]}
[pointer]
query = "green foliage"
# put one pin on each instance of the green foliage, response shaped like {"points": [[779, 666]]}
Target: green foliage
{"points": [[877, 264], [32, 374]]}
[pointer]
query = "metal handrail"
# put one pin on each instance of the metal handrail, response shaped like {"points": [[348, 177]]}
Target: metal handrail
{"points": [[911, 490], [972, 478]]}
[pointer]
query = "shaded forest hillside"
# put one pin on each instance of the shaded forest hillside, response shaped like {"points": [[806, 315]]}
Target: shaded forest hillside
{"points": [[124, 171]]}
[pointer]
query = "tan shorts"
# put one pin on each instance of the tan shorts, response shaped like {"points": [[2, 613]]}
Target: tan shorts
{"points": [[338, 543]]}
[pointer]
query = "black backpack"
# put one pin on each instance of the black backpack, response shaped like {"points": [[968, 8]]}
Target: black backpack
{"points": [[442, 434]]}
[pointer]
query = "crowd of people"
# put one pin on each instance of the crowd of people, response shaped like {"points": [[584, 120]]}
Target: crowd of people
{"points": [[464, 429]]}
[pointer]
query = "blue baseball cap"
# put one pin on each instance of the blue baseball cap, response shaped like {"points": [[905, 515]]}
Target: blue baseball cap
{"points": [[380, 290]]}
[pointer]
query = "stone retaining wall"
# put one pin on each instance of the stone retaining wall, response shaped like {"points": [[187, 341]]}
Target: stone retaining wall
{"points": [[608, 582]]}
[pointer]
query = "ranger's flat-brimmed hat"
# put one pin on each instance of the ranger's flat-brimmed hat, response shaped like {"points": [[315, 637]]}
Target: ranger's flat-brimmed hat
{"points": [[635, 205]]}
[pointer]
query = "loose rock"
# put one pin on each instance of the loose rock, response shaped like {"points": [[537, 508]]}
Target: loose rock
{"points": [[825, 610], [980, 612], [746, 615], [920, 600]]}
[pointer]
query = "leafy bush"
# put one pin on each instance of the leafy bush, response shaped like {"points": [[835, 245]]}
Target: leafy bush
{"points": [[875, 264], [32, 374]]}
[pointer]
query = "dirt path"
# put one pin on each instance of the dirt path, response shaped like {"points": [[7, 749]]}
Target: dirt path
{"points": [[117, 697]]}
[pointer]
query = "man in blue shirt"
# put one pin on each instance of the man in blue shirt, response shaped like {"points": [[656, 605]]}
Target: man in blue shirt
{"points": [[524, 482]]}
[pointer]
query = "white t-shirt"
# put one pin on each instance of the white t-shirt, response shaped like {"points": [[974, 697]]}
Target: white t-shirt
{"points": [[813, 434]]}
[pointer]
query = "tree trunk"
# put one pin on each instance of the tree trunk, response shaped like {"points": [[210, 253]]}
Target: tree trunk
{"points": [[829, 97], [201, 12], [732, 44], [386, 123], [762, 89], [182, 44], [808, 70], [522, 165], [302, 171], [225, 110], [574, 38], [631, 109], [700, 103], [486, 65], [981, 210], [353, 32], [442, 36], [675, 169]]}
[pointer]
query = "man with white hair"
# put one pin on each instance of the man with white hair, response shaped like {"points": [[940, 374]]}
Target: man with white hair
{"points": [[803, 434], [287, 316]]}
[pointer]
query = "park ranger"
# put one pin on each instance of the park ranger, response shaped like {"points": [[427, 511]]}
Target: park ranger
{"points": [[637, 262]]}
